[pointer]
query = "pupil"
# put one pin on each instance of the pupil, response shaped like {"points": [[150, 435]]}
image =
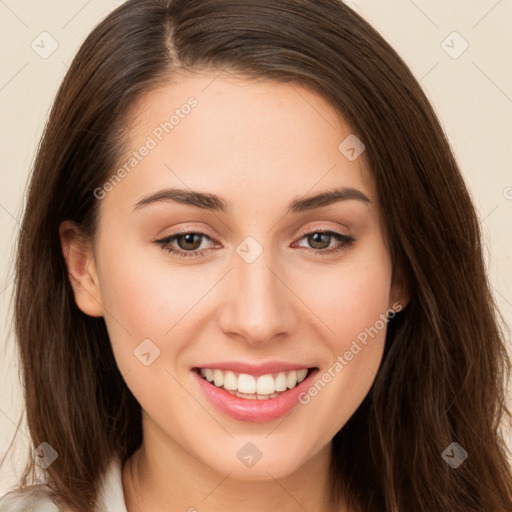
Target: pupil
{"points": [[189, 239], [317, 238]]}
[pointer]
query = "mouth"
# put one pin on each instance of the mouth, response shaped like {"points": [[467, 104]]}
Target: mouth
{"points": [[254, 387], [257, 396]]}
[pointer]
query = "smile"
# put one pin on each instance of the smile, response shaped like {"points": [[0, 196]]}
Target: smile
{"points": [[261, 396], [252, 387]]}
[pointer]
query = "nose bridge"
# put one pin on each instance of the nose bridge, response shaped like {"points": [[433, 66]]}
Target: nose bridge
{"points": [[259, 306]]}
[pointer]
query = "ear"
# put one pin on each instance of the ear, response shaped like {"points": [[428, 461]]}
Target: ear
{"points": [[399, 295], [81, 266]]}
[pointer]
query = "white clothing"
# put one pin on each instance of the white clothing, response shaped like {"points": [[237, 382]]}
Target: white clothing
{"points": [[36, 498]]}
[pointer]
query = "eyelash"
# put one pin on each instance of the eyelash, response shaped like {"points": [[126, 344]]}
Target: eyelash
{"points": [[346, 242]]}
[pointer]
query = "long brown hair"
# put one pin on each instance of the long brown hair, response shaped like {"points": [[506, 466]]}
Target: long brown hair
{"points": [[445, 367]]}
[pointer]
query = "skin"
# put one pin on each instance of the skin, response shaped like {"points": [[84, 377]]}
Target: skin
{"points": [[259, 145]]}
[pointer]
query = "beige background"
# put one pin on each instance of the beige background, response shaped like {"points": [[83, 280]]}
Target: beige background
{"points": [[471, 91]]}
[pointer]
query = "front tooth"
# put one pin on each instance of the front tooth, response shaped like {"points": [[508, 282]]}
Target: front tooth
{"points": [[218, 377], [301, 375], [230, 381], [246, 383], [291, 380], [265, 385], [281, 382]]}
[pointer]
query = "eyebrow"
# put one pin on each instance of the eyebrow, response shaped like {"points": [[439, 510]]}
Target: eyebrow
{"points": [[213, 202]]}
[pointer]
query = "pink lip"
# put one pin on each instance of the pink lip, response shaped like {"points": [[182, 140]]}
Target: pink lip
{"points": [[254, 369], [256, 411]]}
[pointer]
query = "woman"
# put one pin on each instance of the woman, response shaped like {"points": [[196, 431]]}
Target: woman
{"points": [[327, 342]]}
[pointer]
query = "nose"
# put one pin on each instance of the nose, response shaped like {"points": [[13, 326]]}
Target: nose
{"points": [[260, 304]]}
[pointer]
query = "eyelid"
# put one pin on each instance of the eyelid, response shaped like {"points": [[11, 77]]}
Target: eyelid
{"points": [[182, 230], [345, 241], [314, 228]]}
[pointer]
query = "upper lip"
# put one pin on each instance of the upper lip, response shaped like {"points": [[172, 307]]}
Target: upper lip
{"points": [[255, 369]]}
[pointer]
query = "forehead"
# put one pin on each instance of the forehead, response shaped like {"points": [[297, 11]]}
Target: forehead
{"points": [[218, 132]]}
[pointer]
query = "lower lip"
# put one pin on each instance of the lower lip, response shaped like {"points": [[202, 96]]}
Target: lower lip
{"points": [[256, 411]]}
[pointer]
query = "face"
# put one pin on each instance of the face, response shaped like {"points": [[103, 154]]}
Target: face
{"points": [[255, 288]]}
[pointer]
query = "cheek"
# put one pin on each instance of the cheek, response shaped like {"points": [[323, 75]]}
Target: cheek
{"points": [[352, 305], [142, 300], [352, 296], [139, 288]]}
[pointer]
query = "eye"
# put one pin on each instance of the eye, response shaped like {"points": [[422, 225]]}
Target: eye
{"points": [[189, 243], [321, 240]]}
